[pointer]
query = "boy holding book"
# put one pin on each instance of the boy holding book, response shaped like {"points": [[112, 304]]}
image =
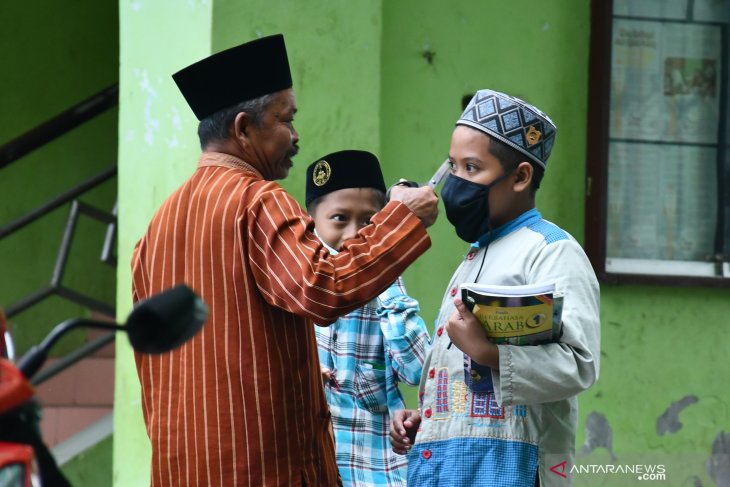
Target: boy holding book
{"points": [[519, 430], [364, 354]]}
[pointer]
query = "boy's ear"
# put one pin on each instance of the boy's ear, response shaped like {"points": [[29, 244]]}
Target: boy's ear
{"points": [[523, 177]]}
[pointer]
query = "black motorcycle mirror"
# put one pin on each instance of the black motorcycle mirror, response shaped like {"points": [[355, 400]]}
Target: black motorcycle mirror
{"points": [[156, 325]]}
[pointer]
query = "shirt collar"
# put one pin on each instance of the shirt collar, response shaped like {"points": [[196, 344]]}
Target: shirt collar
{"points": [[527, 218], [226, 160], [331, 250]]}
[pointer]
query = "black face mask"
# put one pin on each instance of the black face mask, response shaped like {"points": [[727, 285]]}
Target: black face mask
{"points": [[467, 206]]}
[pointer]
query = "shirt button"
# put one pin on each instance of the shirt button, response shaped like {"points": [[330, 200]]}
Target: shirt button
{"points": [[427, 413], [426, 454], [470, 255], [453, 291], [334, 337], [431, 373], [440, 330]]}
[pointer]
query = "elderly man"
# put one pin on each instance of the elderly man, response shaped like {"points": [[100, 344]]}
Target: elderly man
{"points": [[242, 402]]}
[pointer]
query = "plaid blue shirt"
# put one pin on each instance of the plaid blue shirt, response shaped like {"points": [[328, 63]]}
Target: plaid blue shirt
{"points": [[369, 351]]}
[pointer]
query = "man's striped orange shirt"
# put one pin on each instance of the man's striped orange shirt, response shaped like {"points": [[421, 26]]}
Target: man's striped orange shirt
{"points": [[242, 403]]}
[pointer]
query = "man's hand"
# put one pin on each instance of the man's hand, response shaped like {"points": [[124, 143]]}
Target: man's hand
{"points": [[467, 333], [422, 201], [403, 428]]}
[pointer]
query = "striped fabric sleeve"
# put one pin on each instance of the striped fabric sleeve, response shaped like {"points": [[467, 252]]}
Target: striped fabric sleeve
{"points": [[295, 272]]}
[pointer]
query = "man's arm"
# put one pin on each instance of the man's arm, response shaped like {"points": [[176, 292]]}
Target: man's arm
{"points": [[293, 271]]}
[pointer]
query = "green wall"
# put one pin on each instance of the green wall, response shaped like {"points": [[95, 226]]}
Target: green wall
{"points": [[389, 77], [663, 387], [334, 53], [93, 467], [472, 47], [54, 57]]}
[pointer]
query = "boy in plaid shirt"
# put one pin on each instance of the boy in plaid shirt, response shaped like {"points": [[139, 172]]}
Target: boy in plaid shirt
{"points": [[368, 351]]}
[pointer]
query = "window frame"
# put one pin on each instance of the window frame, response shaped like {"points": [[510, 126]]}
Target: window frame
{"points": [[597, 164]]}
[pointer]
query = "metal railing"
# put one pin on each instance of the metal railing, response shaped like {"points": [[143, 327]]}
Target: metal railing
{"points": [[21, 146], [59, 125]]}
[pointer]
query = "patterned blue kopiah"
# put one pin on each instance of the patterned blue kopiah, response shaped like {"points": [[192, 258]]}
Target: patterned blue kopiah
{"points": [[512, 121]]}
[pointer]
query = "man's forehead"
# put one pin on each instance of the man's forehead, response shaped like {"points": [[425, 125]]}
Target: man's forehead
{"points": [[285, 100], [293, 103]]}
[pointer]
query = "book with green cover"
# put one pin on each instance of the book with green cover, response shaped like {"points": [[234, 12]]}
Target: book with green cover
{"points": [[516, 315]]}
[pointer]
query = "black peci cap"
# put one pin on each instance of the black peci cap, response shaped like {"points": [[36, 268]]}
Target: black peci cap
{"points": [[341, 170], [238, 74]]}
